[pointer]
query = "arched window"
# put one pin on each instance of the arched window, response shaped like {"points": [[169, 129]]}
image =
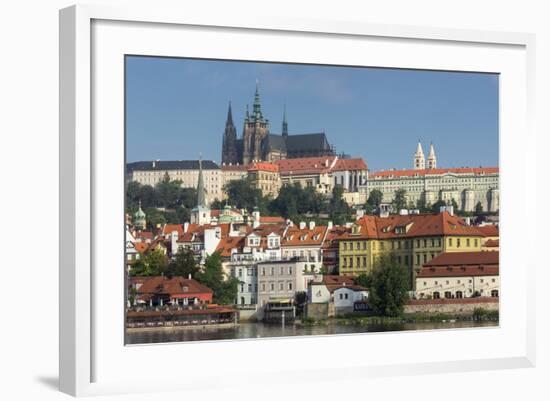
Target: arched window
{"points": [[436, 295], [494, 293]]}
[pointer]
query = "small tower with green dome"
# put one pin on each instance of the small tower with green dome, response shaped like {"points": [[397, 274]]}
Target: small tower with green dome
{"points": [[140, 219]]}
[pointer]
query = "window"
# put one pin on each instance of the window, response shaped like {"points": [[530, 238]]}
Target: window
{"points": [[272, 286], [458, 242], [249, 287], [240, 272], [281, 287], [345, 246], [357, 245], [494, 293], [290, 286], [468, 242], [417, 259], [263, 286], [459, 294], [341, 296], [346, 296], [435, 295], [448, 294], [425, 258], [425, 243], [364, 261], [263, 271], [290, 270], [450, 242], [475, 242]]}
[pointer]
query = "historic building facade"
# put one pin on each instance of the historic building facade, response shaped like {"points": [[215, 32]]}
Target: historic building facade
{"points": [[428, 184], [259, 144], [186, 171]]}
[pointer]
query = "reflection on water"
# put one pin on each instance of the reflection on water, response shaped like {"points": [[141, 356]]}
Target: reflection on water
{"points": [[260, 330]]}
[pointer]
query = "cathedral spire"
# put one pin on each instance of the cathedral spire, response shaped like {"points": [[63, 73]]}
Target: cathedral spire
{"points": [[229, 115], [257, 108], [201, 195], [285, 124]]}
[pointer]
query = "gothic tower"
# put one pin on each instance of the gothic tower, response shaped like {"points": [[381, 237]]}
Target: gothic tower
{"points": [[200, 214], [256, 129], [432, 160], [285, 124], [229, 146], [419, 160]]}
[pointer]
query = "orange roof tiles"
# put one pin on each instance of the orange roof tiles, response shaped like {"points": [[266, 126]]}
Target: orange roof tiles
{"points": [[271, 220], [228, 243], [455, 264], [141, 247], [295, 236], [305, 164], [435, 171], [174, 285], [488, 230], [263, 166], [412, 225], [169, 228], [350, 164], [233, 167]]}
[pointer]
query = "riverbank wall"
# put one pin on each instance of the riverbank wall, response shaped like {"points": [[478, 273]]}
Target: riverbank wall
{"points": [[463, 306]]}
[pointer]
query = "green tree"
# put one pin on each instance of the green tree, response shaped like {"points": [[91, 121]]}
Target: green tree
{"points": [[400, 199], [212, 276], [375, 198], [454, 204], [167, 192], [152, 264], [437, 205], [242, 194], [421, 205], [147, 196], [132, 194], [340, 212], [155, 218], [478, 208], [388, 291], [364, 280], [183, 264]]}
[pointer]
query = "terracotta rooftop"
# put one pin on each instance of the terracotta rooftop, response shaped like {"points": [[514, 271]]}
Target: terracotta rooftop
{"points": [[488, 230], [228, 243], [350, 164], [412, 225], [263, 166], [174, 285], [455, 264], [295, 236]]}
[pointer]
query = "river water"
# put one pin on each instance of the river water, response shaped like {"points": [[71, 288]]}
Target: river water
{"points": [[261, 330]]}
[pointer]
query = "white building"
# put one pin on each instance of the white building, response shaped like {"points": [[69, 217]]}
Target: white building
{"points": [[459, 275], [467, 186], [186, 171]]}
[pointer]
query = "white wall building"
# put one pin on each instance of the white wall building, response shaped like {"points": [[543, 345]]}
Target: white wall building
{"points": [[187, 171]]}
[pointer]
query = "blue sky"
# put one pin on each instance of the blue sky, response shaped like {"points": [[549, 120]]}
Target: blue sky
{"points": [[176, 108]]}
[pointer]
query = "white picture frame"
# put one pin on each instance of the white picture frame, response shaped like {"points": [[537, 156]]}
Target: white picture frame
{"points": [[91, 362]]}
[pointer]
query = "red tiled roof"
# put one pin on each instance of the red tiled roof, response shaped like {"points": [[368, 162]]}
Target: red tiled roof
{"points": [[271, 220], [263, 166], [144, 235], [435, 171], [488, 230], [412, 225], [169, 228], [141, 247], [491, 243], [456, 264], [294, 236], [174, 285], [464, 258], [305, 165], [350, 164], [228, 243]]}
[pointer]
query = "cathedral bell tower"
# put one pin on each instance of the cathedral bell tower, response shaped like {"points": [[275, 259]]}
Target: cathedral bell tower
{"points": [[432, 160], [419, 160], [256, 129]]}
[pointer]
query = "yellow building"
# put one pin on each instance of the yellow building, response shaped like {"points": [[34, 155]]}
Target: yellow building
{"points": [[265, 176], [412, 240]]}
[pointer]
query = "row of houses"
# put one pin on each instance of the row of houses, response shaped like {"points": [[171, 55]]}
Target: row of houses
{"points": [[274, 259]]}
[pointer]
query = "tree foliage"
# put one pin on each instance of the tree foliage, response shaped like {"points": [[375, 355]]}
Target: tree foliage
{"points": [[151, 264], [212, 276], [183, 264], [400, 199], [388, 290]]}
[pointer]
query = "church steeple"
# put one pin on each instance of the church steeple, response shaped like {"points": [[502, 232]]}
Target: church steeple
{"points": [[432, 160], [229, 121], [285, 124], [257, 107], [419, 160], [229, 143], [200, 214], [201, 195]]}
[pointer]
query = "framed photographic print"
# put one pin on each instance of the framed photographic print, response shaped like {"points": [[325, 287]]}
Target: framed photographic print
{"points": [[255, 189]]}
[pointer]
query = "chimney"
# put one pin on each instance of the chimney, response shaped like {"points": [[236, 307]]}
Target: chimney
{"points": [[403, 212], [302, 225], [359, 214], [154, 164], [330, 225], [256, 223], [189, 276], [311, 225], [185, 226]]}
